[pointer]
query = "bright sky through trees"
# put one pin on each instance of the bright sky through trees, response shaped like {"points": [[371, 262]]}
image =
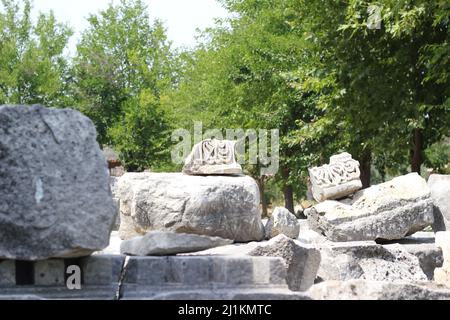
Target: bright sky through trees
{"points": [[180, 17]]}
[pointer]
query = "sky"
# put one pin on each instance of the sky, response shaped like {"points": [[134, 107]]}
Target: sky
{"points": [[180, 17]]}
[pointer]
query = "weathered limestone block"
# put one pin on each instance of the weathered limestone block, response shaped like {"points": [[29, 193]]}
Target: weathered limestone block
{"points": [[302, 260], [369, 261], [391, 210], [336, 180], [49, 272], [222, 206], [282, 222], [160, 243], [442, 275], [422, 245], [55, 198], [439, 185], [212, 157], [206, 277], [7, 273], [378, 290]]}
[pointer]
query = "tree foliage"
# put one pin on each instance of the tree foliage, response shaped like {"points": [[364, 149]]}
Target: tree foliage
{"points": [[122, 68], [33, 66]]}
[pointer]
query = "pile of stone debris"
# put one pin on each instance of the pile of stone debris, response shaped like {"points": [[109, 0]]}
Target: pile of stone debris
{"points": [[199, 234]]}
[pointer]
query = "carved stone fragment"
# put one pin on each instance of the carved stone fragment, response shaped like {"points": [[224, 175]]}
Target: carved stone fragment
{"points": [[336, 180], [212, 157]]}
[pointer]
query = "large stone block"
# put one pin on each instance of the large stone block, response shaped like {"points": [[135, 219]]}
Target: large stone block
{"points": [[222, 206], [55, 198], [369, 261], [439, 185], [390, 210], [204, 272]]}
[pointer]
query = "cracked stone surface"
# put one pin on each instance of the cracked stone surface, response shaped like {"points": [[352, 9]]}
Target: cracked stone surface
{"points": [[55, 198], [222, 206]]}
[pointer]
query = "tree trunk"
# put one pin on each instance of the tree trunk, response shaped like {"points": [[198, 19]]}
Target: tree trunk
{"points": [[261, 184], [416, 152], [288, 192], [365, 163]]}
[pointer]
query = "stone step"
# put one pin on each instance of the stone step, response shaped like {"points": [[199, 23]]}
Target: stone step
{"points": [[167, 277]]}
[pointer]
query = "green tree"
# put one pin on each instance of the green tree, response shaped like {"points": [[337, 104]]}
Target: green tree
{"points": [[240, 77], [389, 86], [33, 66], [122, 69]]}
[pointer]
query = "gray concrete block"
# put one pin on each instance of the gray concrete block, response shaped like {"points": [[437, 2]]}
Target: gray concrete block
{"points": [[49, 272], [191, 270], [102, 269], [7, 273], [147, 270]]}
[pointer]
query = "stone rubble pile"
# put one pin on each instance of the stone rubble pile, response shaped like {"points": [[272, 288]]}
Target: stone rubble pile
{"points": [[387, 211], [198, 234]]}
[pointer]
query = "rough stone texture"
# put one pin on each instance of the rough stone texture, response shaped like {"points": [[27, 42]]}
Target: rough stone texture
{"points": [[159, 243], [336, 180], [439, 185], [378, 290], [7, 272], [390, 210], [308, 236], [422, 245], [369, 261], [49, 272], [55, 198], [442, 275], [113, 181], [222, 206], [212, 157], [302, 261], [282, 222]]}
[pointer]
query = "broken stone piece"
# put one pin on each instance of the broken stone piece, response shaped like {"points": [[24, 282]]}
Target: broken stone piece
{"points": [[390, 210], [212, 157], [282, 222], [336, 180], [442, 275], [55, 197], [158, 243]]}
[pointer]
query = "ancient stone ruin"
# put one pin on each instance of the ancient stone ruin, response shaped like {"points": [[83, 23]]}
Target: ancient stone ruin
{"points": [[337, 179], [199, 234], [212, 157]]}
